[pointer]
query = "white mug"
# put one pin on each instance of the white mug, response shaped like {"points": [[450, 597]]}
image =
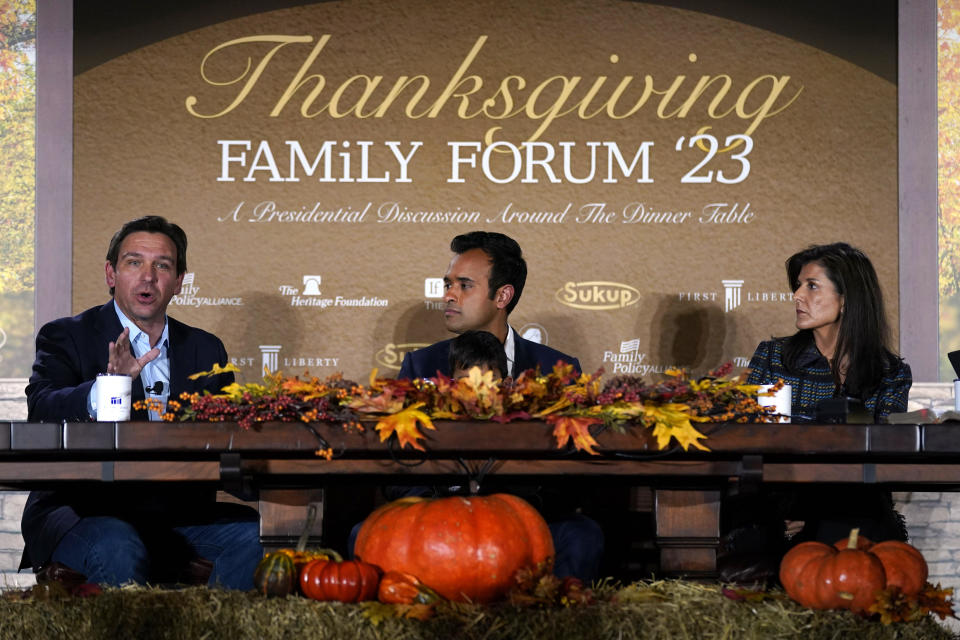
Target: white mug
{"points": [[113, 397], [781, 400]]}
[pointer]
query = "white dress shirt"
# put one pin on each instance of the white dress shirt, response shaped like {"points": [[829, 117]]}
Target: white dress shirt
{"points": [[157, 370]]}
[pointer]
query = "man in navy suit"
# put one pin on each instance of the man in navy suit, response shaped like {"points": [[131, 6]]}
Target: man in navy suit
{"points": [[482, 286], [116, 534]]}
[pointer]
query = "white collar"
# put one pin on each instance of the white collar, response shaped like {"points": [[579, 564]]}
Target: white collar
{"points": [[509, 347], [135, 331]]}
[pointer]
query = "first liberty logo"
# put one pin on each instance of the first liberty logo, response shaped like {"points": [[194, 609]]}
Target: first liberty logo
{"points": [[731, 294]]}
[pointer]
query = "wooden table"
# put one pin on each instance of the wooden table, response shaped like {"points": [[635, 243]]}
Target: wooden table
{"points": [[276, 464]]}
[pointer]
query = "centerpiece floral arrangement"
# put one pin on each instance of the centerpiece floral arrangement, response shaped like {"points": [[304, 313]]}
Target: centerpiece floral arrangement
{"points": [[571, 403]]}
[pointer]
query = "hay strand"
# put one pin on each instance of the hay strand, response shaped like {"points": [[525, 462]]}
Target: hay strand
{"points": [[662, 610]]}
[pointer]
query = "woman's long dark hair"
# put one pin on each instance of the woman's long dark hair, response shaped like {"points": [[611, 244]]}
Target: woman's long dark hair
{"points": [[864, 336]]}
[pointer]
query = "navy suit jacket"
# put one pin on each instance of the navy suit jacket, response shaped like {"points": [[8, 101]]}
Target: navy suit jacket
{"points": [[70, 354], [424, 363]]}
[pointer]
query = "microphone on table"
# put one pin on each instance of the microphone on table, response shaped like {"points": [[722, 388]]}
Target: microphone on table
{"points": [[156, 389]]}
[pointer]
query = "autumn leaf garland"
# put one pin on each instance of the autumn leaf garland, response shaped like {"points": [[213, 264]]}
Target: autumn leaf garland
{"points": [[571, 403]]}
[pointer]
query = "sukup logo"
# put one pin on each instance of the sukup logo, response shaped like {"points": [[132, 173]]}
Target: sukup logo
{"points": [[597, 295], [391, 356]]}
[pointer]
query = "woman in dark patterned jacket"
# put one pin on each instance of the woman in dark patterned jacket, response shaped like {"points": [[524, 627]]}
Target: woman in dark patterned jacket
{"points": [[840, 349], [841, 346]]}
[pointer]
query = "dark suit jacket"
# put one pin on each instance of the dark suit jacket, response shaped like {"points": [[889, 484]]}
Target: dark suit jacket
{"points": [[424, 363], [70, 354]]}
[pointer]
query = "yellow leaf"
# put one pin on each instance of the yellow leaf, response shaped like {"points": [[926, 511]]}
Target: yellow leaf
{"points": [[672, 421], [404, 424], [446, 415], [562, 403], [235, 391], [217, 369]]}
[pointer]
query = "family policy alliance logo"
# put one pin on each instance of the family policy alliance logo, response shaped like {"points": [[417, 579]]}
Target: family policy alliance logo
{"points": [[310, 294], [272, 361], [734, 296], [597, 295], [189, 296], [629, 360]]}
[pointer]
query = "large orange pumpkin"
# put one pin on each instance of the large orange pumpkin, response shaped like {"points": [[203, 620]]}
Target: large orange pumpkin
{"points": [[904, 566], [465, 548], [820, 576]]}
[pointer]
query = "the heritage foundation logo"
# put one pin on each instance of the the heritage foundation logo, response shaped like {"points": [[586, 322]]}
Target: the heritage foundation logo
{"points": [[272, 360], [312, 296], [391, 355], [597, 295], [628, 359], [311, 285], [189, 296]]}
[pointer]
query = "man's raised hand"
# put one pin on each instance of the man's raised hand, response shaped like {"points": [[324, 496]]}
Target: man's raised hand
{"points": [[121, 359]]}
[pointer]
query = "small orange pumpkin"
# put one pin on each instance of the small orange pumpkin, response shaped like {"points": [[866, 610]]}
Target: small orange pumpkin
{"points": [[339, 580], [820, 576], [466, 548], [397, 587], [903, 564]]}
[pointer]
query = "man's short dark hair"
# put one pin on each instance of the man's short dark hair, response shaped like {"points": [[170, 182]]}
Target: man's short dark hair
{"points": [[507, 265], [150, 224], [478, 349]]}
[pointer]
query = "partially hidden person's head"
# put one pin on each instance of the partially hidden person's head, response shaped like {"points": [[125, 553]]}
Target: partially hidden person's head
{"points": [[477, 349], [483, 282], [146, 261]]}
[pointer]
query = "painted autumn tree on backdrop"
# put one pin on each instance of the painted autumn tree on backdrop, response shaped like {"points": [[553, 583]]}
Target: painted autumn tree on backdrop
{"points": [[948, 116], [17, 184], [17, 129]]}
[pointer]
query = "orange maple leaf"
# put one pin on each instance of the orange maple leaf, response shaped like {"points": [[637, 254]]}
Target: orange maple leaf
{"points": [[383, 402], [576, 428], [404, 424]]}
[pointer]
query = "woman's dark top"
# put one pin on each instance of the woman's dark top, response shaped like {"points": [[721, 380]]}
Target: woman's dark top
{"points": [[755, 523], [814, 382]]}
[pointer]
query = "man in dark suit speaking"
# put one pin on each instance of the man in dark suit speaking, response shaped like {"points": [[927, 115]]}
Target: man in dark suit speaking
{"points": [[116, 534], [481, 287]]}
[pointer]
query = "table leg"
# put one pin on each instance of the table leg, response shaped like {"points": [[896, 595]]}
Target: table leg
{"points": [[283, 517], [688, 531]]}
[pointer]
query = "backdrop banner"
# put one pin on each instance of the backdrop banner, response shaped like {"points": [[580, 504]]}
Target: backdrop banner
{"points": [[657, 165]]}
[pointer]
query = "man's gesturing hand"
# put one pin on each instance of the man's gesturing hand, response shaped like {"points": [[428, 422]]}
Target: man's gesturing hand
{"points": [[121, 359]]}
